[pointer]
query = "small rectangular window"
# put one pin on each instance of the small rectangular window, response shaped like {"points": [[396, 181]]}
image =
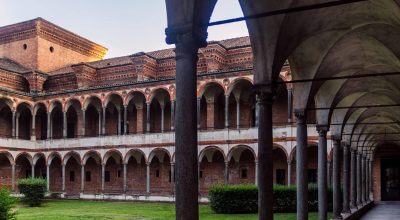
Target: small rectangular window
{"points": [[201, 174], [119, 174], [243, 174], [72, 176], [88, 176], [157, 173], [169, 176], [107, 176]]}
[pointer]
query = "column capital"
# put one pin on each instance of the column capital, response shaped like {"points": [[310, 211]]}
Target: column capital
{"points": [[301, 115], [189, 34], [289, 162], [265, 93], [322, 130]]}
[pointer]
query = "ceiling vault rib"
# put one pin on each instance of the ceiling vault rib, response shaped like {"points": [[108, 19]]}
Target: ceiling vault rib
{"points": [[352, 107]]}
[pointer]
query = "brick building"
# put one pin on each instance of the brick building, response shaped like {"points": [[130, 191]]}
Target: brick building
{"points": [[103, 128]]}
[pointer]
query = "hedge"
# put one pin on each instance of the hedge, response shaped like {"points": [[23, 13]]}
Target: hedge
{"points": [[33, 189], [229, 199], [7, 203]]}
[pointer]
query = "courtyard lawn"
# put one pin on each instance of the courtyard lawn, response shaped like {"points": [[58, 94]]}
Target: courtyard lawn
{"points": [[78, 209]]}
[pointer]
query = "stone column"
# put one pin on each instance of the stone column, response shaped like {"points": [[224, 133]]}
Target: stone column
{"points": [[265, 149], [119, 123], [17, 126], [238, 113], [172, 115], [363, 180], [125, 119], [322, 173], [173, 172], [329, 172], [336, 179], [48, 177], [148, 178], [359, 197], [100, 122], [162, 118], [64, 124], [83, 122], [346, 178], [13, 124], [226, 111], [103, 121], [301, 165], [13, 177], [148, 117], [256, 172], [103, 172], [353, 182], [33, 170], [289, 92], [226, 172], [63, 177], [257, 113], [198, 112], [370, 180], [289, 172], [33, 128], [82, 178], [125, 179]]}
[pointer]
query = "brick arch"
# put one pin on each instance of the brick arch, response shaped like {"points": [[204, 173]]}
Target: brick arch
{"points": [[27, 104], [129, 154], [246, 147], [89, 154], [203, 87], [9, 102], [39, 105], [51, 157], [309, 144], [9, 156], [69, 103], [26, 155], [107, 99], [131, 94], [53, 103], [233, 84], [71, 154], [153, 93], [280, 147], [39, 155], [153, 154], [216, 148], [88, 100], [109, 154]]}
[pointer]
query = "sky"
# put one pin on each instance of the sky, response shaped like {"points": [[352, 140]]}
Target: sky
{"points": [[123, 26]]}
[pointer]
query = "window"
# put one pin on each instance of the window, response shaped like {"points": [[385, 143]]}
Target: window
{"points": [[88, 176], [312, 175], [25, 46], [243, 173], [201, 174], [169, 176], [119, 174], [157, 173], [280, 176], [72, 176], [51, 49], [107, 176]]}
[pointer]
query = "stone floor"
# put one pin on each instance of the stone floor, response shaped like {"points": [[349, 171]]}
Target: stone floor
{"points": [[384, 211]]}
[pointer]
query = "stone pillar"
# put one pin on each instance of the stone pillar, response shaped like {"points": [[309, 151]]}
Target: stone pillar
{"points": [[33, 170], [103, 172], [336, 180], [103, 121], [346, 178], [257, 112], [290, 100], [226, 111], [256, 172], [13, 177], [125, 119], [119, 123], [322, 173], [13, 133], [82, 178], [226, 172], [301, 165], [162, 118], [363, 180], [172, 115], [289, 172], [83, 122], [329, 172], [140, 119], [173, 172], [33, 128], [353, 182], [199, 112], [125, 178], [265, 151], [148, 178], [48, 177], [148, 117], [17, 126], [64, 124], [100, 123], [370, 180], [359, 197], [238, 114], [63, 177]]}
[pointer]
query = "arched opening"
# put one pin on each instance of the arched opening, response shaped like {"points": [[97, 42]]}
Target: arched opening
{"points": [[92, 163], [160, 111], [114, 111], [212, 168], [242, 103], [136, 113], [280, 166], [40, 166], [113, 176], [160, 173], [92, 116], [280, 106], [5, 118], [23, 167], [5, 170], [312, 154], [74, 118], [73, 175], [55, 168], [41, 122], [212, 107], [241, 166], [24, 121], [57, 121], [136, 173]]}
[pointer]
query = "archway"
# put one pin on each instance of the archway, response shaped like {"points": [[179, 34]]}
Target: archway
{"points": [[40, 121], [92, 165], [55, 168], [241, 165], [136, 172], [5, 118], [212, 168], [136, 113], [113, 176], [160, 172], [6, 162], [24, 121], [212, 107]]}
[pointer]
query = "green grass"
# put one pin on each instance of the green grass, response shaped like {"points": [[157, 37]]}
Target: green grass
{"points": [[78, 209]]}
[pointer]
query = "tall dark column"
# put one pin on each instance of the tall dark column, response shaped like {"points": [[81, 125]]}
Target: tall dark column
{"points": [[301, 165], [199, 113], [265, 159], [329, 168], [148, 117], [290, 101], [172, 115], [64, 124], [359, 200], [186, 164], [346, 178], [322, 174], [226, 111], [83, 132], [125, 120], [336, 180], [103, 121], [363, 180], [13, 129], [370, 190], [353, 193]]}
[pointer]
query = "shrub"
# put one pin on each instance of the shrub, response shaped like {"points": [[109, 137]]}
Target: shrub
{"points": [[244, 198], [33, 189], [7, 203]]}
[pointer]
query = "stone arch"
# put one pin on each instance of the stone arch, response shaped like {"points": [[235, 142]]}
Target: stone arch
{"points": [[212, 167], [24, 121], [204, 87], [56, 119], [209, 151], [157, 152], [6, 117], [40, 112], [240, 148], [6, 163], [280, 165], [212, 105], [92, 154], [136, 154], [136, 163], [160, 110], [52, 156], [25, 155], [72, 154], [93, 107], [113, 106], [112, 153], [136, 112], [9, 156]]}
